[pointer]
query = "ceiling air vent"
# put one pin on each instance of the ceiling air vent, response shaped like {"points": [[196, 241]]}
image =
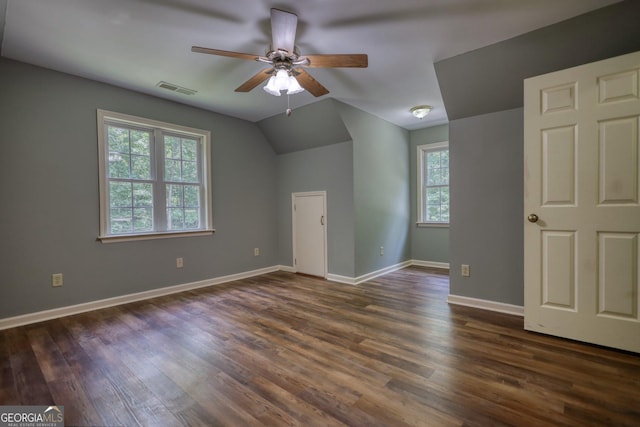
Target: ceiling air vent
{"points": [[176, 88]]}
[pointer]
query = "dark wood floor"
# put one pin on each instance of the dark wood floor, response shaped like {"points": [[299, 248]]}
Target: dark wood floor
{"points": [[283, 349]]}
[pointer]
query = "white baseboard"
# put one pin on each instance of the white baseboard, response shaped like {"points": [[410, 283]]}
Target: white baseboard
{"points": [[430, 264], [287, 268], [341, 279], [55, 313], [516, 310], [360, 279]]}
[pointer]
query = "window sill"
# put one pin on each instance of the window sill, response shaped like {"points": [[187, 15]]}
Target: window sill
{"points": [[432, 224], [152, 236]]}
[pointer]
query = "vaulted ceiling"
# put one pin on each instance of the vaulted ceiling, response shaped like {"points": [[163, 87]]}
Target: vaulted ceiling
{"points": [[137, 43]]}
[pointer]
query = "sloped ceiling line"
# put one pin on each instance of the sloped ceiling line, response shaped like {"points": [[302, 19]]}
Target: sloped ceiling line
{"points": [[311, 126], [3, 17], [135, 44], [490, 79]]}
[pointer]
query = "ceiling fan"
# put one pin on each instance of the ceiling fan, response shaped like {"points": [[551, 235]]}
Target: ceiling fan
{"points": [[285, 62]]}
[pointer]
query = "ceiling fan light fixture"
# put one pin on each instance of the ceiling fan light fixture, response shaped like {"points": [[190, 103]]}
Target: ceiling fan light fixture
{"points": [[271, 87], [282, 80], [421, 111], [294, 86]]}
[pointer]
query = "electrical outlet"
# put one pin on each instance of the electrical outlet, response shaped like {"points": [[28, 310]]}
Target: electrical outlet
{"points": [[464, 270], [179, 263], [56, 280], [256, 251], [381, 250]]}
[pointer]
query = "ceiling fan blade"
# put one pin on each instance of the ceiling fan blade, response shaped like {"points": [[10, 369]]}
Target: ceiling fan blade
{"points": [[255, 80], [357, 60], [219, 52], [283, 30], [309, 83]]}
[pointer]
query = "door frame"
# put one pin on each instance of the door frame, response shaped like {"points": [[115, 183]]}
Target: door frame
{"points": [[322, 194]]}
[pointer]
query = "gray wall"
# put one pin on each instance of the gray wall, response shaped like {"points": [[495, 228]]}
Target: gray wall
{"points": [[486, 177], [367, 183], [327, 169], [381, 190], [49, 192], [427, 243], [49, 218]]}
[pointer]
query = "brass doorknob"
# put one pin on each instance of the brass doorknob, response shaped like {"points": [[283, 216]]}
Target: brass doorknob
{"points": [[532, 218]]}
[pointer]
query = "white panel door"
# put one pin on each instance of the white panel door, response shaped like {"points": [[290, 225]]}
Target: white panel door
{"points": [[309, 233], [582, 202]]}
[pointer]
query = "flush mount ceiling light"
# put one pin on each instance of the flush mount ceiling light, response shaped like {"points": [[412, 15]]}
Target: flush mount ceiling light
{"points": [[421, 111], [283, 80]]}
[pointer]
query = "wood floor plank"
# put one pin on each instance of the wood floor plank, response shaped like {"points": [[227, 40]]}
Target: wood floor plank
{"points": [[289, 350], [8, 387], [29, 380], [63, 382]]}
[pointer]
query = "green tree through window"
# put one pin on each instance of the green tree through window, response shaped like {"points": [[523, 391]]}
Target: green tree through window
{"points": [[155, 177], [434, 183], [130, 180]]}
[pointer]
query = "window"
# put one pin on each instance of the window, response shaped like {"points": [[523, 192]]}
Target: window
{"points": [[154, 178], [433, 184]]}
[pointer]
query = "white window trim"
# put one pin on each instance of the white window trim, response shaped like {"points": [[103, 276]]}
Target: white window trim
{"points": [[110, 116], [421, 150]]}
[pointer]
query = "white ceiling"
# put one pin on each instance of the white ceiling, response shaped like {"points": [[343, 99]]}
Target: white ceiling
{"points": [[137, 43]]}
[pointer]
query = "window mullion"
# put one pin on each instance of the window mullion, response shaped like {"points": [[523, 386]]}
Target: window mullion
{"points": [[159, 189], [202, 211], [105, 198]]}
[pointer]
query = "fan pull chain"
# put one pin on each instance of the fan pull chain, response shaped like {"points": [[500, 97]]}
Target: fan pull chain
{"points": [[288, 107]]}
